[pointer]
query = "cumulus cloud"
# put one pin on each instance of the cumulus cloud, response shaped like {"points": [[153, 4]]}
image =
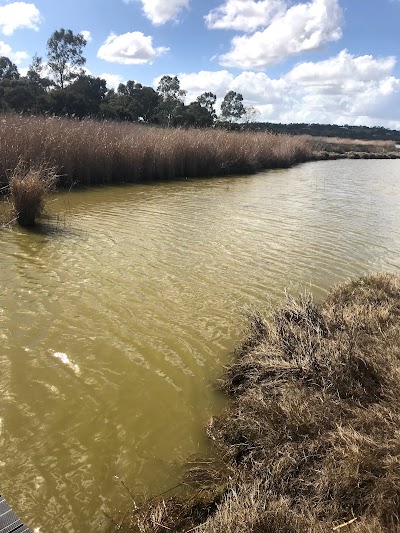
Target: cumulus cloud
{"points": [[300, 28], [112, 80], [16, 57], [133, 48], [161, 11], [342, 67], [86, 35], [344, 89], [257, 88], [244, 15], [217, 82], [17, 15]]}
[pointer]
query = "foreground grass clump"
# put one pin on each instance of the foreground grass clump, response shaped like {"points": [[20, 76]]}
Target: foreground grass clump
{"points": [[89, 152], [312, 435], [28, 188]]}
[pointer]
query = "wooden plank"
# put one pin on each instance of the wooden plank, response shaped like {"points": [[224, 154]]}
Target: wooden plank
{"points": [[9, 521]]}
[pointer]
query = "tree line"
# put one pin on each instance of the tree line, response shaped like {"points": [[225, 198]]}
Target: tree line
{"points": [[369, 133], [62, 87]]}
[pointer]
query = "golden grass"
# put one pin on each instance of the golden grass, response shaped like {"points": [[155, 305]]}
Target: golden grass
{"points": [[90, 152], [312, 434], [336, 145], [29, 186]]}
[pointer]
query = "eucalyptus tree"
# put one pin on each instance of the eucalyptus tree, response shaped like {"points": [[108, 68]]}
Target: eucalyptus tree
{"points": [[232, 107], [172, 99], [65, 55], [207, 101], [8, 70]]}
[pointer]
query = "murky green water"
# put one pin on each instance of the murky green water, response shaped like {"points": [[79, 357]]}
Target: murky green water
{"points": [[114, 328]]}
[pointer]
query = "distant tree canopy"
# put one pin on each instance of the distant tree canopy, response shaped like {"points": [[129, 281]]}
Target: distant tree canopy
{"points": [[60, 86]]}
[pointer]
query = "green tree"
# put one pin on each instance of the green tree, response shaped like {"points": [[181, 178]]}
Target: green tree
{"points": [[16, 94], [37, 82], [196, 115], [132, 101], [64, 53], [232, 107], [172, 100], [8, 70], [89, 93], [207, 101], [169, 88]]}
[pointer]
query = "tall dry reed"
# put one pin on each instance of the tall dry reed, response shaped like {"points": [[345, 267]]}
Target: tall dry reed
{"points": [[29, 186], [90, 152]]}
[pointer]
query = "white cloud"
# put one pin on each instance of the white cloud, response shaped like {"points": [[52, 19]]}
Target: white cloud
{"points": [[345, 89], [16, 57], [133, 48], [343, 67], [112, 80], [244, 15], [17, 15], [161, 11], [301, 28], [257, 88], [86, 35], [218, 82]]}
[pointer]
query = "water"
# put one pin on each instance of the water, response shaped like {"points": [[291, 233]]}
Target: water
{"points": [[114, 327]]}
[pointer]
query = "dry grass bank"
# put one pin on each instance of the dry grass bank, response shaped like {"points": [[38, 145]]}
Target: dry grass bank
{"points": [[90, 152], [337, 148], [311, 439]]}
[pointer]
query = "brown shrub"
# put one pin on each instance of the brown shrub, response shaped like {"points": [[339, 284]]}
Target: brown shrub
{"points": [[29, 187]]}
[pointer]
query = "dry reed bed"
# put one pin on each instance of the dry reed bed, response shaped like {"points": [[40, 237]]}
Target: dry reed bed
{"points": [[90, 152], [331, 147], [311, 438]]}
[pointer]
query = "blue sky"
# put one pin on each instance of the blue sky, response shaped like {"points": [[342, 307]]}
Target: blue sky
{"points": [[293, 60]]}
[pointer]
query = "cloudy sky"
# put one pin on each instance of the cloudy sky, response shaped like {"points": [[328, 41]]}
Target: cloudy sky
{"points": [[326, 61]]}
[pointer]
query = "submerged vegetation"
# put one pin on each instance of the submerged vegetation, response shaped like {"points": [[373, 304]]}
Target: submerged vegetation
{"points": [[310, 440]]}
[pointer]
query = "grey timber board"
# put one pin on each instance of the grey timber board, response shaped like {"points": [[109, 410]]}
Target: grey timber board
{"points": [[9, 521]]}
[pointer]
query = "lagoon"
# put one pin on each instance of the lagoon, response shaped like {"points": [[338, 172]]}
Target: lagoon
{"points": [[115, 325]]}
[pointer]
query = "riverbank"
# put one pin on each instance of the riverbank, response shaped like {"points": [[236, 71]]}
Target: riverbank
{"points": [[309, 441], [330, 148], [89, 152]]}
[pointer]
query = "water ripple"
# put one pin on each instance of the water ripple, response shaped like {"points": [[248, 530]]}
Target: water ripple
{"points": [[114, 329]]}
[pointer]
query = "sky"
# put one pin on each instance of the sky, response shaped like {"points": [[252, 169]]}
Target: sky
{"points": [[321, 61]]}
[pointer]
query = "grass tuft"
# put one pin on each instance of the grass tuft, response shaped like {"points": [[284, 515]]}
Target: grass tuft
{"points": [[311, 435], [29, 187]]}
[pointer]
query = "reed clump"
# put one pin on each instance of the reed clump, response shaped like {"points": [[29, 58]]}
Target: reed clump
{"points": [[29, 186], [91, 152], [312, 433]]}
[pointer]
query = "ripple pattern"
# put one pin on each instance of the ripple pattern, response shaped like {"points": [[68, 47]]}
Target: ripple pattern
{"points": [[143, 289]]}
